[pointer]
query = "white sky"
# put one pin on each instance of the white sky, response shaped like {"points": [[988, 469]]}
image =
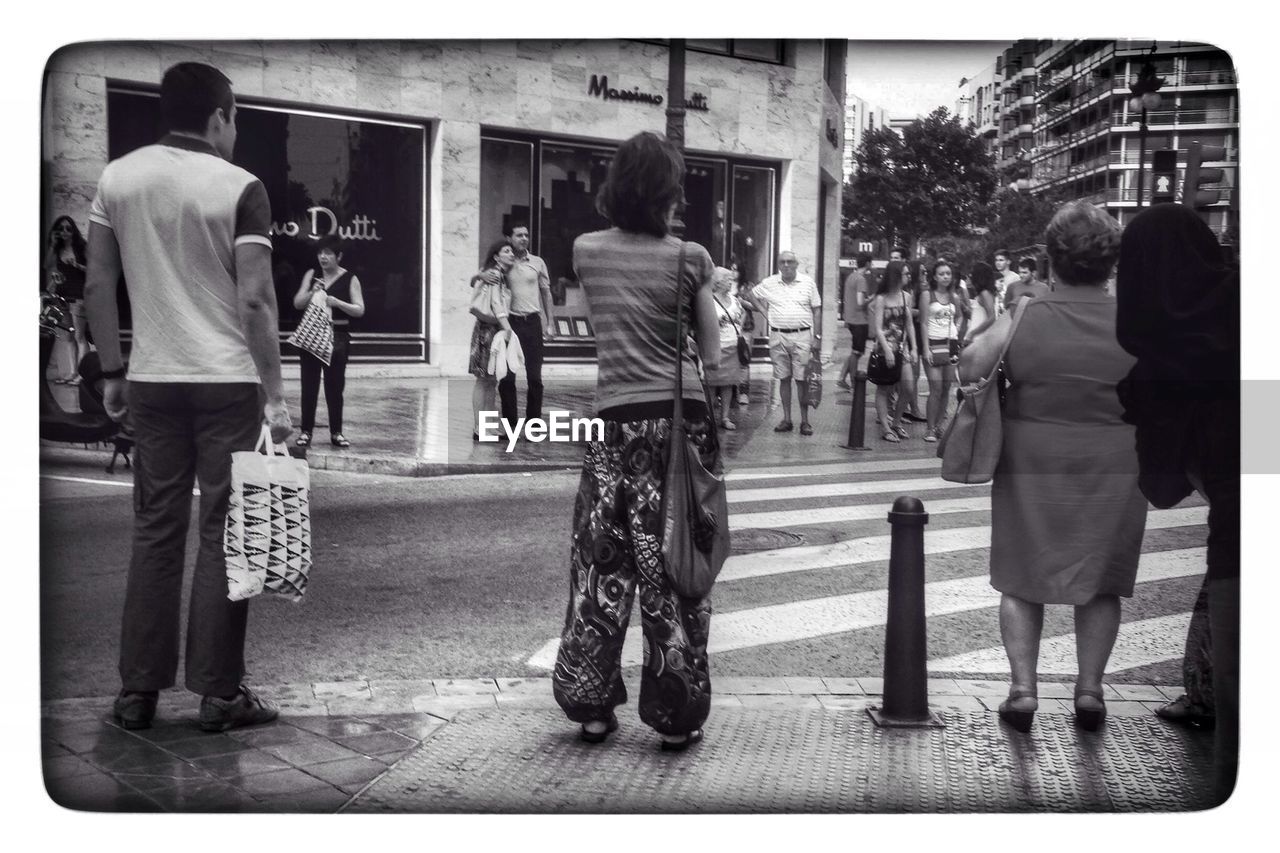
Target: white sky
{"points": [[914, 77]]}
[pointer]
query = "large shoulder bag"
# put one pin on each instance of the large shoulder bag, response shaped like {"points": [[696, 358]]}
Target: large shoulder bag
{"points": [[314, 334], [970, 448], [482, 301], [695, 505]]}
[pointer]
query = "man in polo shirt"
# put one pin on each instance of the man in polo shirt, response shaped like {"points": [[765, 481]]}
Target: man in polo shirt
{"points": [[531, 314], [1005, 278], [792, 304], [190, 232], [856, 296]]}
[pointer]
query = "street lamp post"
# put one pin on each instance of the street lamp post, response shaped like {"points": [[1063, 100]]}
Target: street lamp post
{"points": [[676, 111], [1146, 95]]}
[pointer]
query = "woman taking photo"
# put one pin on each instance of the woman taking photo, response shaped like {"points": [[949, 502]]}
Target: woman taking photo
{"points": [[723, 378], [64, 264], [1067, 517], [894, 342], [498, 259], [630, 279], [341, 293], [940, 313]]}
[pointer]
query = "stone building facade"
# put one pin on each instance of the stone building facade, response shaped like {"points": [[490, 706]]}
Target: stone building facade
{"points": [[763, 139]]}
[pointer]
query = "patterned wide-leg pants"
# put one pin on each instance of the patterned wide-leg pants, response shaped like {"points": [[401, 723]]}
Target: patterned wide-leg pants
{"points": [[616, 551]]}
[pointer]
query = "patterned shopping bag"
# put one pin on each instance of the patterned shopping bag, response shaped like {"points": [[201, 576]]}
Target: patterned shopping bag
{"points": [[267, 538], [315, 330]]}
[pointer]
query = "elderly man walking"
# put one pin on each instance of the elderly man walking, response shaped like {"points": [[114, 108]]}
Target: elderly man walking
{"points": [[792, 303]]}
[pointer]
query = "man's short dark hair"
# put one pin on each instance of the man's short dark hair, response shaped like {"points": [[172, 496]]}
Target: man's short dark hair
{"points": [[998, 252], [190, 92], [863, 260], [1026, 263], [900, 250], [646, 177], [511, 229]]}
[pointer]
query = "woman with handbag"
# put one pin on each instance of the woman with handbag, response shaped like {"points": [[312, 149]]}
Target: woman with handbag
{"points": [[339, 290], [723, 378], [641, 285], [742, 289], [982, 307], [895, 342], [490, 304], [1067, 516], [64, 263], [941, 312]]}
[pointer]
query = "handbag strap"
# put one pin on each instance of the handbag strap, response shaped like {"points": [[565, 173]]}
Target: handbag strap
{"points": [[1018, 310], [728, 314], [677, 414]]}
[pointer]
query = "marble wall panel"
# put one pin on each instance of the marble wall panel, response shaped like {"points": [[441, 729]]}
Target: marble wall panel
{"points": [[421, 59], [171, 53], [379, 58], [288, 80], [379, 92], [335, 86], [132, 61], [423, 98], [339, 55], [246, 71], [538, 50], [86, 58]]}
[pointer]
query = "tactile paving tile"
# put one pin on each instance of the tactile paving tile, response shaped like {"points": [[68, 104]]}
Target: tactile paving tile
{"points": [[798, 761]]}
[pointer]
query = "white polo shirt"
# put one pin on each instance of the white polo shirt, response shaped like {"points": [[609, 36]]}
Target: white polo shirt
{"points": [[790, 305], [178, 211]]}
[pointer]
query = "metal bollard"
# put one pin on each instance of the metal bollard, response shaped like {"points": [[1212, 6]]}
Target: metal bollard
{"points": [[858, 414], [906, 689]]}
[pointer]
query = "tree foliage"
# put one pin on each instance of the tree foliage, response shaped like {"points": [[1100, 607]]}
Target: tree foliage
{"points": [[1019, 220], [937, 178]]}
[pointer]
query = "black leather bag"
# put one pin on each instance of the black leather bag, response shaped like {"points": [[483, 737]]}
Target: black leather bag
{"points": [[879, 371], [695, 504], [744, 346]]}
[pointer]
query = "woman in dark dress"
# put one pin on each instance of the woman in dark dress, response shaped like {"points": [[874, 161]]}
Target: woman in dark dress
{"points": [[64, 265], [342, 294], [1067, 517]]}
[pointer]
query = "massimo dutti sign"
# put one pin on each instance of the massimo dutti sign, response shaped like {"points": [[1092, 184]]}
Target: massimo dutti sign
{"points": [[598, 87]]}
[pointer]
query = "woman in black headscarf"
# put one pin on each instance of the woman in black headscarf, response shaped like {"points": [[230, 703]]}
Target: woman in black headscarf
{"points": [[1178, 313]]}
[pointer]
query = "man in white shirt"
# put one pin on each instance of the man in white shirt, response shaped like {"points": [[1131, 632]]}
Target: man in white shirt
{"points": [[191, 234], [792, 303], [1005, 277]]}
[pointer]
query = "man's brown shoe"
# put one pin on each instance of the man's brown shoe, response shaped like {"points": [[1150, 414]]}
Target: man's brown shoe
{"points": [[135, 710], [246, 709]]}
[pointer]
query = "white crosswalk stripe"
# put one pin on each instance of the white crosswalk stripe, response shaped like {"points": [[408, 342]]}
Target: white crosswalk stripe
{"points": [[1141, 643]]}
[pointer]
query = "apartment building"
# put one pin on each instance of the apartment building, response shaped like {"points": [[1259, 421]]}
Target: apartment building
{"points": [[860, 116]]}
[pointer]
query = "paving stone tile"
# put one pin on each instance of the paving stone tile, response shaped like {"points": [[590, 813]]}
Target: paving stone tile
{"points": [[304, 754], [844, 702], [98, 792], [755, 686], [207, 796], [170, 731], [872, 686], [983, 688], [272, 734], [788, 703], [464, 686], [244, 763], [801, 684], [942, 687], [66, 766], [1127, 709], [1055, 690], [417, 726], [1109, 692], [402, 687], [325, 800], [526, 700], [350, 774], [731, 700], [1171, 691], [326, 690], [842, 685], [166, 776], [1139, 693], [140, 755], [446, 706], [337, 727], [210, 744], [303, 708], [100, 737], [374, 707], [536, 686], [378, 743], [957, 703], [76, 710], [289, 781]]}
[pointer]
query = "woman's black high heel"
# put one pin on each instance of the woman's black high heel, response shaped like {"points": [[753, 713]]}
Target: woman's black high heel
{"points": [[1090, 719], [1020, 720]]}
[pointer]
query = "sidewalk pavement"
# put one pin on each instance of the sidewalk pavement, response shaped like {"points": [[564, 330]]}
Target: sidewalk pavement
{"points": [[484, 745], [422, 426]]}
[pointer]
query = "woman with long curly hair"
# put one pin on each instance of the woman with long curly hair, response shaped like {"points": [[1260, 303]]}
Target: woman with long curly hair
{"points": [[498, 259], [64, 264], [634, 282]]}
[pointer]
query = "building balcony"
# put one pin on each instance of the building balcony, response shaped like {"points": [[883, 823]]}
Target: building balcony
{"points": [[1177, 117], [1026, 129], [1027, 101], [1214, 77], [1130, 158]]}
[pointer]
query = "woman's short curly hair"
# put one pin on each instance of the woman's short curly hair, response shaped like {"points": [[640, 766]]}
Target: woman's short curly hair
{"points": [[1083, 243], [645, 178]]}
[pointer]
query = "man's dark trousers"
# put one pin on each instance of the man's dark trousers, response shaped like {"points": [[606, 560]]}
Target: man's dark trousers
{"points": [[528, 328], [185, 432]]}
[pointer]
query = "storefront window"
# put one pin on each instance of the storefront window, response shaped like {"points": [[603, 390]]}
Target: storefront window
{"points": [[753, 220], [571, 178], [506, 184], [705, 215], [362, 180]]}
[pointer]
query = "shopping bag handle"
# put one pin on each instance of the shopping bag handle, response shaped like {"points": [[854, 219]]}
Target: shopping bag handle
{"points": [[265, 444]]}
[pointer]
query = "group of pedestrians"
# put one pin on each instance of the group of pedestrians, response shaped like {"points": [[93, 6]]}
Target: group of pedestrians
{"points": [[1070, 494]]}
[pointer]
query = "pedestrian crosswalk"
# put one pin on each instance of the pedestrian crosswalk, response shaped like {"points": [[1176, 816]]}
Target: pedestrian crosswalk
{"points": [[844, 506]]}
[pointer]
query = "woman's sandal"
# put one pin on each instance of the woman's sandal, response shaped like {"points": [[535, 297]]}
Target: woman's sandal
{"points": [[303, 440], [901, 431], [599, 736], [1090, 719], [682, 742], [1019, 718], [339, 441], [890, 435]]}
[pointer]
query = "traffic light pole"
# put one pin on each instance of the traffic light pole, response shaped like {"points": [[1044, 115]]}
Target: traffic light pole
{"points": [[1142, 154]]}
